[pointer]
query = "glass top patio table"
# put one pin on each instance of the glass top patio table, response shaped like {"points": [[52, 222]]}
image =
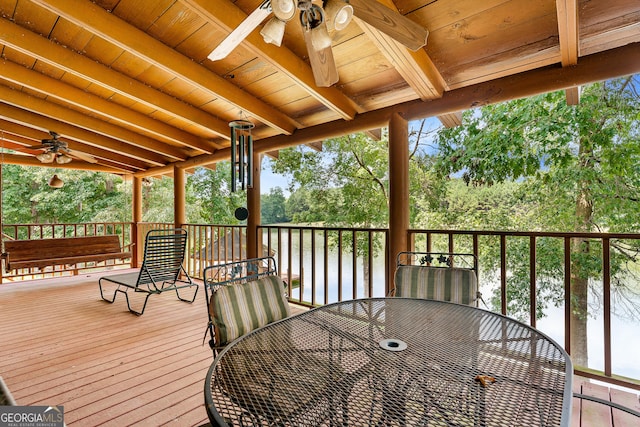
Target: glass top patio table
{"points": [[391, 361]]}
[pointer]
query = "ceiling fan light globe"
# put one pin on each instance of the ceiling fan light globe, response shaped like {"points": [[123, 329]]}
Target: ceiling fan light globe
{"points": [[339, 14], [284, 10], [63, 159], [273, 31], [46, 157]]}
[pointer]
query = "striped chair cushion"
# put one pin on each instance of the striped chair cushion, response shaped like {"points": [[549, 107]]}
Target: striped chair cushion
{"points": [[241, 308], [459, 285]]}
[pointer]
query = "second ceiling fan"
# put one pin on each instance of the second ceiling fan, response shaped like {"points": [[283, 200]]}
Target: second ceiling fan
{"points": [[317, 20], [58, 151]]}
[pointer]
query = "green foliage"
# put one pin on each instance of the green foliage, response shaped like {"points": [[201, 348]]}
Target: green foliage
{"points": [[210, 191], [273, 207], [27, 197], [568, 168]]}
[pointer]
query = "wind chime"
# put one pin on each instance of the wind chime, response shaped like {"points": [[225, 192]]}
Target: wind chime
{"points": [[241, 154]]}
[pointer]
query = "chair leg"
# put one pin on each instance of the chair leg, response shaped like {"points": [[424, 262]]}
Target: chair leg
{"points": [[126, 295], [102, 293], [194, 294]]}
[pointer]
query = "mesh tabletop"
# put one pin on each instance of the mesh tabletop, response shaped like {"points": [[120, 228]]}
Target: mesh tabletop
{"points": [[391, 361]]}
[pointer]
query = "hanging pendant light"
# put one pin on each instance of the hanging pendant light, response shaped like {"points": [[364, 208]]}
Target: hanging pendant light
{"points": [[241, 154], [56, 182]]}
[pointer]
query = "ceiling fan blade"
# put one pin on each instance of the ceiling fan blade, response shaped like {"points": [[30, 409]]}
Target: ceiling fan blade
{"points": [[390, 22], [241, 31], [79, 155], [38, 147], [323, 65]]}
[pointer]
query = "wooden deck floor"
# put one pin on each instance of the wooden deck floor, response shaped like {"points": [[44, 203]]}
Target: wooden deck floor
{"points": [[61, 345]]}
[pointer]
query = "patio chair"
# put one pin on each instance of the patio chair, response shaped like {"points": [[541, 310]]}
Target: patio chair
{"points": [[242, 296], [435, 275], [161, 270]]}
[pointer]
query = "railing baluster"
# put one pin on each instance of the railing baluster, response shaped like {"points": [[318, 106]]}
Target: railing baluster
{"points": [[326, 266], [313, 266], [340, 247], [606, 290], [532, 281], [503, 274], [354, 262], [567, 294], [301, 264]]}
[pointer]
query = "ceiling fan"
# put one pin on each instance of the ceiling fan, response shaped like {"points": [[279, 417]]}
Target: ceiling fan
{"points": [[318, 18], [58, 151]]}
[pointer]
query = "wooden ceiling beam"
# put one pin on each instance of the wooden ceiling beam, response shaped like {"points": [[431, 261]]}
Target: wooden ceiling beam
{"points": [[51, 53], [109, 27], [567, 11], [618, 62], [416, 68], [451, 120], [228, 16], [107, 110], [138, 146]]}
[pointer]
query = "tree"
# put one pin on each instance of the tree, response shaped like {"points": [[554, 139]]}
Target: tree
{"points": [[577, 164], [273, 207], [212, 191], [27, 197]]}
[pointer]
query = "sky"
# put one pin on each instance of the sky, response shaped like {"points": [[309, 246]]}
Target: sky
{"points": [[269, 180]]}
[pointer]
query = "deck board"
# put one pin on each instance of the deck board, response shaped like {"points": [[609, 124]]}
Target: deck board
{"points": [[63, 345]]}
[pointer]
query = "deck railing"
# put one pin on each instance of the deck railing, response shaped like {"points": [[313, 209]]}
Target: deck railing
{"points": [[503, 255], [323, 265]]}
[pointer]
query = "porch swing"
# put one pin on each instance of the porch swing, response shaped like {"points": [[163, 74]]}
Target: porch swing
{"points": [[20, 254]]}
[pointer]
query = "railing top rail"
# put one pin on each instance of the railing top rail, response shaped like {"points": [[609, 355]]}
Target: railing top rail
{"points": [[530, 233], [310, 227]]}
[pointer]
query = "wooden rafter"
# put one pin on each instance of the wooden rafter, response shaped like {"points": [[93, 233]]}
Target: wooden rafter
{"points": [[142, 45], [107, 110], [416, 68], [451, 120], [567, 11], [80, 66]]}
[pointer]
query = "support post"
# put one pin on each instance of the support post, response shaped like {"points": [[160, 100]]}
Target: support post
{"points": [[136, 218], [179, 210], [253, 206], [398, 191]]}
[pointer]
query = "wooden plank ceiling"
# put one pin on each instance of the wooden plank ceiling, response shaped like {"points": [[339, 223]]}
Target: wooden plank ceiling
{"points": [[129, 83]]}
